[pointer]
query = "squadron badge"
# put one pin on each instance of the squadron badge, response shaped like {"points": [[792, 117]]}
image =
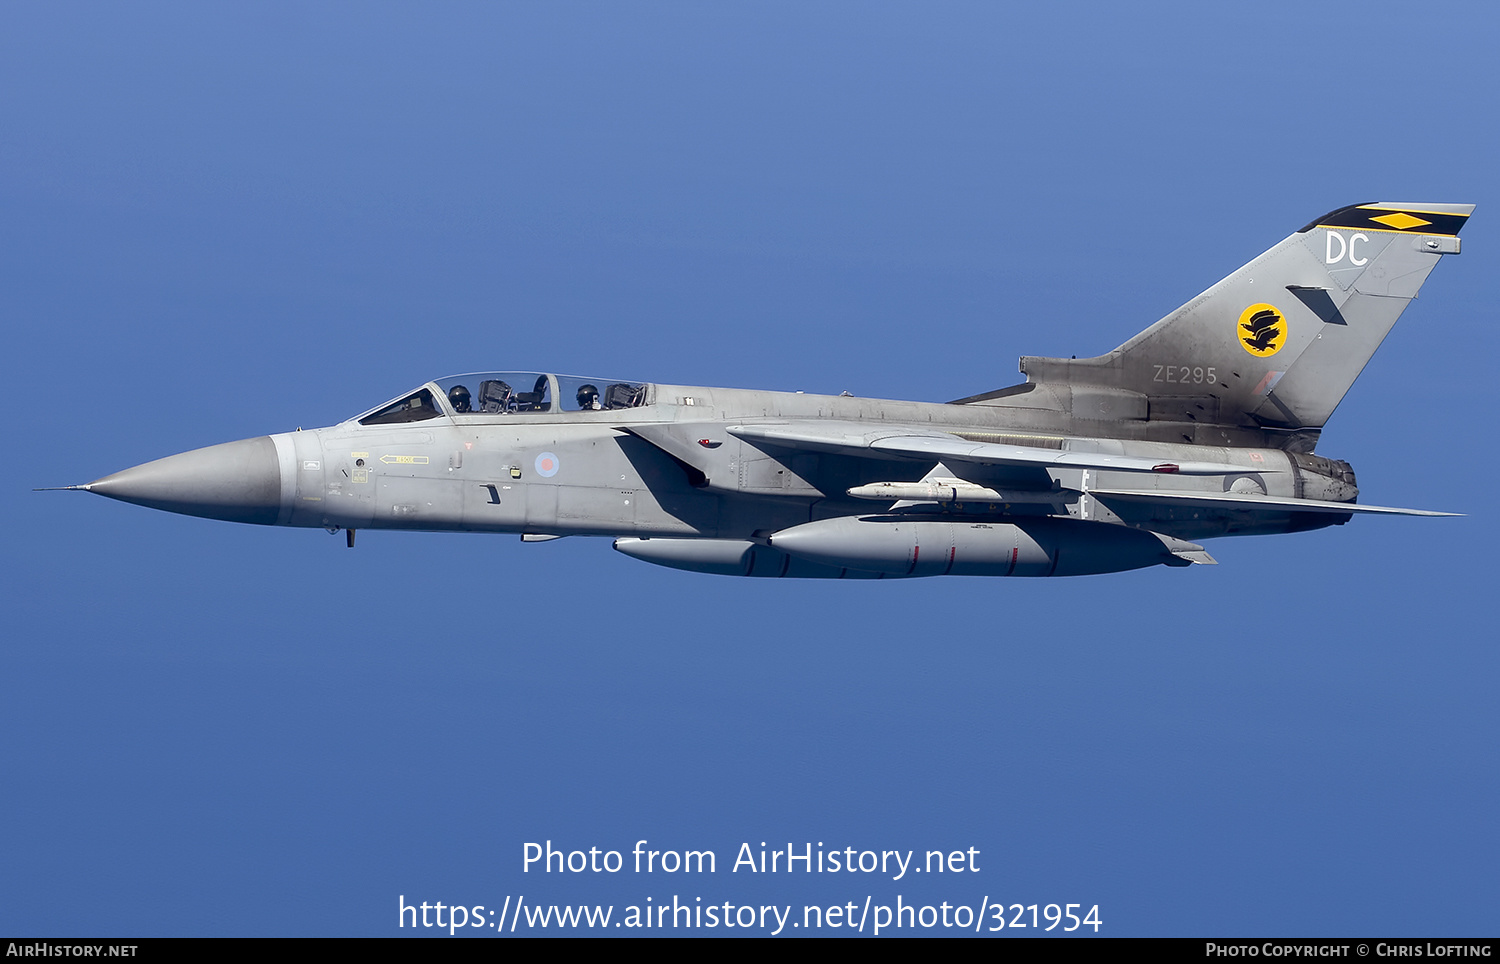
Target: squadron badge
{"points": [[1262, 330]]}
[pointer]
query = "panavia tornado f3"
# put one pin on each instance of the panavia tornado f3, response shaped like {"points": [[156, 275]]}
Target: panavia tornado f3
{"points": [[1202, 425]]}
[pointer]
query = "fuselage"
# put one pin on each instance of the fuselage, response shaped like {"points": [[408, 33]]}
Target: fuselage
{"points": [[668, 466]]}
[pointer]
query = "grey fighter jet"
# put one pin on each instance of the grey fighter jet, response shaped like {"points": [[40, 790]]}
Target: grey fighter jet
{"points": [[1202, 425]]}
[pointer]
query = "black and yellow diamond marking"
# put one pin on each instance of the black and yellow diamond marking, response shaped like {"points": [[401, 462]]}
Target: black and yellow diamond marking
{"points": [[1385, 217], [1401, 221]]}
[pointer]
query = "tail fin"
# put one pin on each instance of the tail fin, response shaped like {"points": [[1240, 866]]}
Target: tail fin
{"points": [[1277, 343]]}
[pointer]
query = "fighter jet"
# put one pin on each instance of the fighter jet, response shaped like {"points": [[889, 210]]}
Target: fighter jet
{"points": [[1202, 425]]}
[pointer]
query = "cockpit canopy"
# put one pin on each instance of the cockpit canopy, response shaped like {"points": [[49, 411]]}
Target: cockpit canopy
{"points": [[508, 393]]}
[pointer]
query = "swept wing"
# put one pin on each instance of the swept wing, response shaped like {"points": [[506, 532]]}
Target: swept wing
{"points": [[856, 440], [1254, 503]]}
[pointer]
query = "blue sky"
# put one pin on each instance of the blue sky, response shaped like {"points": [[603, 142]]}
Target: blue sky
{"points": [[221, 222]]}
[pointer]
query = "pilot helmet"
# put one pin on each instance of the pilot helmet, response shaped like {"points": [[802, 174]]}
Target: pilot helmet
{"points": [[458, 396], [588, 396]]}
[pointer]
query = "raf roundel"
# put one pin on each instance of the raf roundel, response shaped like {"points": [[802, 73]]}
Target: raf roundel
{"points": [[1262, 330], [546, 465]]}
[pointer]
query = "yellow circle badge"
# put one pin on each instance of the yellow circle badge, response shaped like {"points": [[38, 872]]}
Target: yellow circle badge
{"points": [[1262, 330]]}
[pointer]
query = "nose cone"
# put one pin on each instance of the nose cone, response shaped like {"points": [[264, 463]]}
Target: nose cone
{"points": [[236, 482]]}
